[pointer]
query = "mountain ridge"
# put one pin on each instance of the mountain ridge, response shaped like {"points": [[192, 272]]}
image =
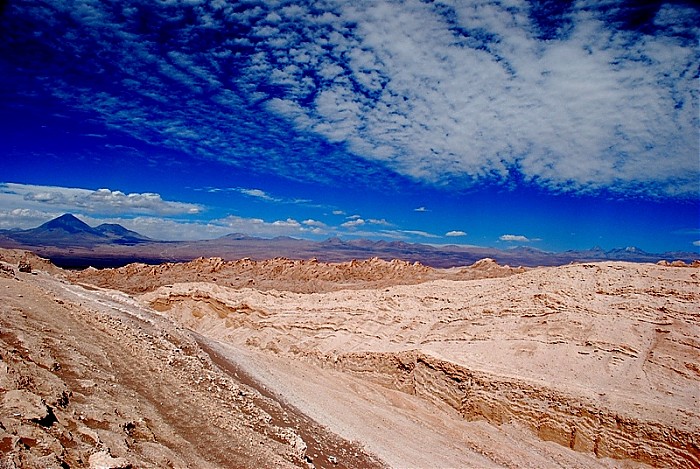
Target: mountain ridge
{"points": [[69, 231], [68, 241]]}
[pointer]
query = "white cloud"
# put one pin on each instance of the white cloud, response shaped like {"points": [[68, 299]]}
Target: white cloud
{"points": [[100, 201], [455, 233], [353, 223], [517, 238], [696, 243], [260, 227], [423, 234], [314, 223], [338, 212], [376, 221], [476, 94], [289, 223], [24, 218], [447, 93], [183, 230], [166, 229], [421, 209], [258, 193]]}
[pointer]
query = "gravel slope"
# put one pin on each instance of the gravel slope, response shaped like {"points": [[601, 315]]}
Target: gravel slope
{"points": [[91, 378]]}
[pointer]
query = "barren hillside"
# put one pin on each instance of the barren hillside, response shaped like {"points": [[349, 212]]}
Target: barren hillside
{"points": [[304, 276], [91, 378], [599, 358], [359, 364]]}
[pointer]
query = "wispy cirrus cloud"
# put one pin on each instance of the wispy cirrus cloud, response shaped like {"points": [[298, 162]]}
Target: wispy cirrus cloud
{"points": [[265, 196], [421, 233], [572, 98], [259, 194]]}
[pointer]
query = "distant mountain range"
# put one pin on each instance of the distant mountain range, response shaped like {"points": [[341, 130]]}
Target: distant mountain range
{"points": [[69, 242], [69, 231]]}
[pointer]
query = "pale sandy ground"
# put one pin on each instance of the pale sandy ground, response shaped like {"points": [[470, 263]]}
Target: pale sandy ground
{"points": [[591, 365], [601, 358], [405, 430], [91, 378]]}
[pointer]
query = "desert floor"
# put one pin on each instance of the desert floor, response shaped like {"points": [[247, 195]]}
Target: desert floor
{"points": [[362, 364]]}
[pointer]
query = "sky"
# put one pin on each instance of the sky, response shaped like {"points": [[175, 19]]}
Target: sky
{"points": [[549, 124]]}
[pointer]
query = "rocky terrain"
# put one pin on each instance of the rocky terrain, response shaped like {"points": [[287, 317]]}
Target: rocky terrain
{"points": [[370, 363], [91, 378], [302, 276]]}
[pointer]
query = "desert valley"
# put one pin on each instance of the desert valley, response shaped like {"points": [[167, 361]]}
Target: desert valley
{"points": [[349, 234], [363, 363]]}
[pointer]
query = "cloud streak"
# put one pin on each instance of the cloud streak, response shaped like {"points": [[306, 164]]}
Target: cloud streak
{"points": [[421, 233], [257, 193]]}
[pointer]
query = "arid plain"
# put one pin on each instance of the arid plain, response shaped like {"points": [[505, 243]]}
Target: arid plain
{"points": [[290, 363]]}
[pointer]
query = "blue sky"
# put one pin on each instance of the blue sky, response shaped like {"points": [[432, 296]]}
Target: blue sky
{"points": [[555, 125]]}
